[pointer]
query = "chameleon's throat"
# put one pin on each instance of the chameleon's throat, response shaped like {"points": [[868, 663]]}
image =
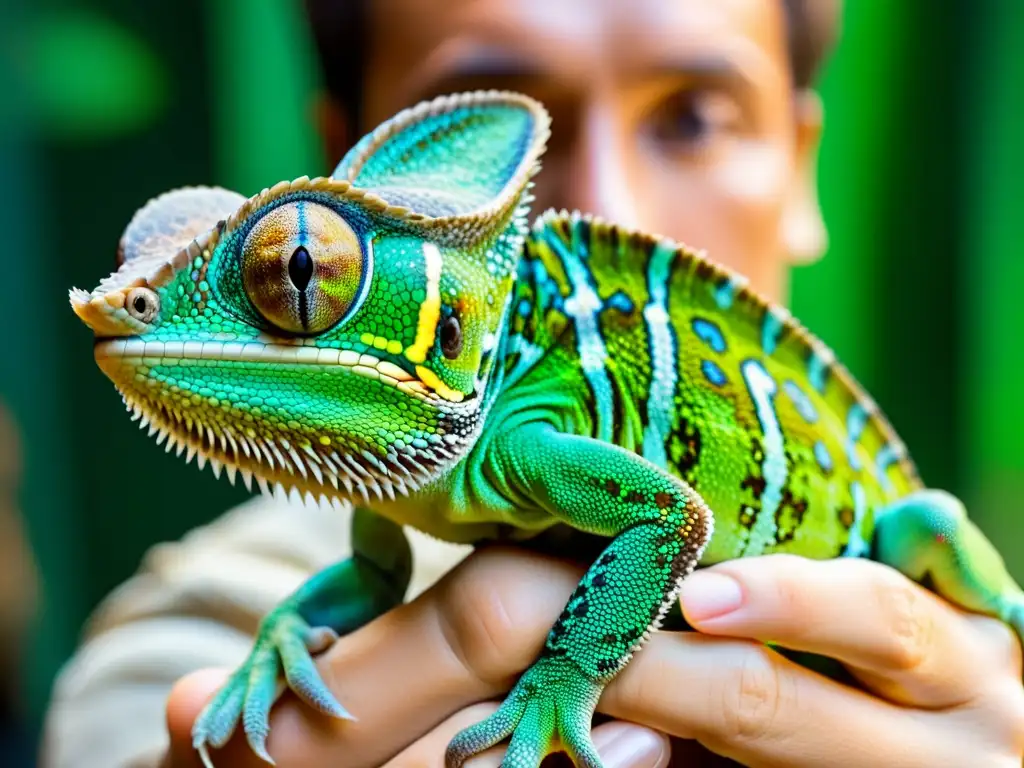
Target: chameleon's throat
{"points": [[280, 466]]}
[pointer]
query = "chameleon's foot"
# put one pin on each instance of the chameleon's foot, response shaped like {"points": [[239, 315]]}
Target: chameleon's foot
{"points": [[284, 643], [553, 698], [928, 535]]}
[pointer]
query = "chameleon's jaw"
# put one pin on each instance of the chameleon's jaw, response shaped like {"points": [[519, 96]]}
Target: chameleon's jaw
{"points": [[172, 389]]}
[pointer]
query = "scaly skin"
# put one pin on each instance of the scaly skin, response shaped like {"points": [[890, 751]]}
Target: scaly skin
{"points": [[397, 335]]}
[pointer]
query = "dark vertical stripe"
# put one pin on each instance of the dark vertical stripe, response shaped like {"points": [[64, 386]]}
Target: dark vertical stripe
{"points": [[302, 237]]}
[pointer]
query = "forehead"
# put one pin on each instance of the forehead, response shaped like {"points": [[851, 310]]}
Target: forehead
{"points": [[572, 38]]}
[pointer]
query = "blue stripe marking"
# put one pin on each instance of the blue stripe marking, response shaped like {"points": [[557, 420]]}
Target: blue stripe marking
{"points": [[887, 455], [856, 420], [801, 401], [301, 211], [856, 545], [713, 373], [823, 457], [724, 293], [771, 329], [774, 469], [710, 334], [661, 396], [817, 370], [583, 306]]}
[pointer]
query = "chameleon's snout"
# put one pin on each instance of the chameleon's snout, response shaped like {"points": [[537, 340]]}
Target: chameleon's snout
{"points": [[123, 312]]}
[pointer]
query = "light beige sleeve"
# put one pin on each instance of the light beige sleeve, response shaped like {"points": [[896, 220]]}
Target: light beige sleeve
{"points": [[194, 603]]}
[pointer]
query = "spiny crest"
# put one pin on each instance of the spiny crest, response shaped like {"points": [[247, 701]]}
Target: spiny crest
{"points": [[299, 468]]}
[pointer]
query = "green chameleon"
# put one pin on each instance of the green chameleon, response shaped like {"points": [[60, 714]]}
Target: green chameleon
{"points": [[399, 335]]}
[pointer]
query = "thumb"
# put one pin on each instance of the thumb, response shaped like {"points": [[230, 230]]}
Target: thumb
{"points": [[184, 703]]}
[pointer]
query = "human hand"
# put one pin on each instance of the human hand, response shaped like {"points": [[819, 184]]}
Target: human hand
{"points": [[942, 686], [418, 675]]}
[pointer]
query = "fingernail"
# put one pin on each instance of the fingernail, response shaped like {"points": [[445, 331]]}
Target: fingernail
{"points": [[708, 595], [633, 747]]}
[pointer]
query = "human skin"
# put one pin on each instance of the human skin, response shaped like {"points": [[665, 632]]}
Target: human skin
{"points": [[678, 118]]}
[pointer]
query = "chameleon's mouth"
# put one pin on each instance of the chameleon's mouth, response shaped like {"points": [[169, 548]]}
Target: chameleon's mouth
{"points": [[275, 439], [387, 371]]}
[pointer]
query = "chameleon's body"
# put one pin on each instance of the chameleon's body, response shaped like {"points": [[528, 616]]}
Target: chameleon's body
{"points": [[398, 335]]}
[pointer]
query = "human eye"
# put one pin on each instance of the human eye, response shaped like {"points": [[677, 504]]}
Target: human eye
{"points": [[693, 121]]}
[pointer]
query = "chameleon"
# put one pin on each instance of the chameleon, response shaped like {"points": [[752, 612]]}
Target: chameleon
{"points": [[402, 335]]}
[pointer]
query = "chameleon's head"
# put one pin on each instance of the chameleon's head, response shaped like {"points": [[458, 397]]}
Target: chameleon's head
{"points": [[334, 333]]}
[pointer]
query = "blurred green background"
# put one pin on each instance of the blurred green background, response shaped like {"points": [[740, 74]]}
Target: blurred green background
{"points": [[110, 102]]}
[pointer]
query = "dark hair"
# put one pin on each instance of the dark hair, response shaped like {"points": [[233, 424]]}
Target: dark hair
{"points": [[340, 34], [812, 28]]}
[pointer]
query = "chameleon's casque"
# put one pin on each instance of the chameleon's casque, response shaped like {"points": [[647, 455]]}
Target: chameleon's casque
{"points": [[398, 334]]}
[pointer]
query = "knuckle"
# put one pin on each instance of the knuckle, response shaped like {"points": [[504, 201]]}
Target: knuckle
{"points": [[486, 628], [908, 617], [752, 698]]}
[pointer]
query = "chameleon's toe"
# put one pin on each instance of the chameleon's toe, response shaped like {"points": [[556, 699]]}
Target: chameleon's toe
{"points": [[553, 698], [283, 645]]}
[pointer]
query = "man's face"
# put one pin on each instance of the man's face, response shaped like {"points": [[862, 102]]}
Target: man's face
{"points": [[677, 117]]}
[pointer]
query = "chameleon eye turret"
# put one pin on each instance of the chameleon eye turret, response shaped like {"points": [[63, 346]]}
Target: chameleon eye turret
{"points": [[302, 267]]}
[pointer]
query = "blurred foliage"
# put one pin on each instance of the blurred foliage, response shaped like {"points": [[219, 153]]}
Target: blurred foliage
{"points": [[86, 76]]}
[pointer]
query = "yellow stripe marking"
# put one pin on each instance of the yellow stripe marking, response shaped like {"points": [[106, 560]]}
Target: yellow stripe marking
{"points": [[430, 309], [431, 379]]}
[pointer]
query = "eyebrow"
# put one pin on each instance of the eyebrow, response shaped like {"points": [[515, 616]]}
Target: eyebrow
{"points": [[711, 68], [496, 62], [479, 61], [491, 61]]}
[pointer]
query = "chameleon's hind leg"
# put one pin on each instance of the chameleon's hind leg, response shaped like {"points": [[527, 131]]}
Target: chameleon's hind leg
{"points": [[928, 536], [660, 527], [337, 600]]}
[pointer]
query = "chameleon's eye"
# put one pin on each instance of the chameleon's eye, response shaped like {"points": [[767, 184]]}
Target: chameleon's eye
{"points": [[302, 267], [451, 337], [142, 304]]}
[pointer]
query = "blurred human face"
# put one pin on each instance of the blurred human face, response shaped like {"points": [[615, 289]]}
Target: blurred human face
{"points": [[673, 116]]}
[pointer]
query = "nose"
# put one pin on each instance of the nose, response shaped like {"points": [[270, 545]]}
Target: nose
{"points": [[599, 180]]}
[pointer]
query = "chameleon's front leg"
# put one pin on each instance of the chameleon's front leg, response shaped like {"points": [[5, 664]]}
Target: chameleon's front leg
{"points": [[928, 535], [337, 600], [660, 527]]}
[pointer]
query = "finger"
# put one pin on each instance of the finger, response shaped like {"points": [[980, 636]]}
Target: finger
{"points": [[429, 750], [747, 702], [901, 640], [186, 699], [465, 640], [628, 745], [620, 745], [1006, 653]]}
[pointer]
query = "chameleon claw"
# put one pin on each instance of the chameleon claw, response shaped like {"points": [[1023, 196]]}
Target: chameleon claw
{"points": [[258, 744], [552, 699], [204, 754], [282, 650]]}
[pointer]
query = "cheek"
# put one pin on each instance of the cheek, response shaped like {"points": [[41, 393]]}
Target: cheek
{"points": [[731, 207]]}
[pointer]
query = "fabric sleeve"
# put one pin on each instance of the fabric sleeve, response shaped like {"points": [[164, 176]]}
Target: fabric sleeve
{"points": [[193, 603]]}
